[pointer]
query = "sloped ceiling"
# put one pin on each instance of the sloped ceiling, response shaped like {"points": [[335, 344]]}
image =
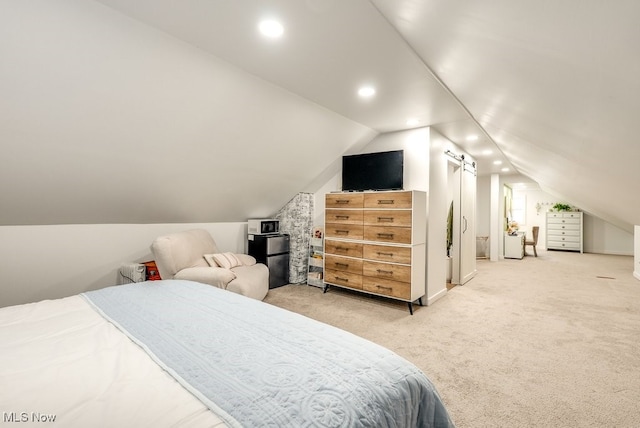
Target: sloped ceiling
{"points": [[179, 111]]}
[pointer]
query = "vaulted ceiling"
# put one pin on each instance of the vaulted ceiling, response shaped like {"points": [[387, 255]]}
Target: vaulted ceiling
{"points": [[550, 87]]}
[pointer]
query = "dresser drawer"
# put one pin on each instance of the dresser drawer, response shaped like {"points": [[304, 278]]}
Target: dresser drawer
{"points": [[343, 216], [397, 235], [344, 200], [347, 231], [344, 264], [345, 279], [401, 290], [563, 245], [565, 215], [341, 248], [562, 220], [561, 227], [563, 232], [564, 238], [387, 218], [572, 215], [388, 200], [387, 253], [390, 271]]}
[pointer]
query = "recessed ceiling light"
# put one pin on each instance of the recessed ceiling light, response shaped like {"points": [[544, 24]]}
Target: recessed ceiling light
{"points": [[366, 91], [505, 170], [487, 152], [271, 28], [497, 162], [472, 138], [412, 122]]}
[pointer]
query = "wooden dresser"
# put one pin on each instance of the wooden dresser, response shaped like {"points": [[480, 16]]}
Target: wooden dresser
{"points": [[564, 231], [375, 242]]}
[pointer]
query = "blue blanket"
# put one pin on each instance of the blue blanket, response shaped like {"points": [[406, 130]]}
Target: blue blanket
{"points": [[258, 365]]}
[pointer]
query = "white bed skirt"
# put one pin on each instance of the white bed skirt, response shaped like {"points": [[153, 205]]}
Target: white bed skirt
{"points": [[61, 362]]}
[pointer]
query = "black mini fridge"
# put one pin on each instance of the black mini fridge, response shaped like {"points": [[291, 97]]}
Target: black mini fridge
{"points": [[273, 251]]}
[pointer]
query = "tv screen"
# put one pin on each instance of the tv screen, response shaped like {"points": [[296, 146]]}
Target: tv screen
{"points": [[373, 171]]}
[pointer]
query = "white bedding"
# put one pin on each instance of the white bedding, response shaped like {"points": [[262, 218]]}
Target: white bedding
{"points": [[55, 355]]}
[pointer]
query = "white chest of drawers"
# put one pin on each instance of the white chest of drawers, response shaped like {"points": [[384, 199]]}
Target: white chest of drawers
{"points": [[564, 231]]}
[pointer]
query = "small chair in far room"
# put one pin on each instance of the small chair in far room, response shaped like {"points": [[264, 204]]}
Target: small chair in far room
{"points": [[533, 242]]}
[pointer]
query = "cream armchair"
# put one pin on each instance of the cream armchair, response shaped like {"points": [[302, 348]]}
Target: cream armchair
{"points": [[182, 256]]}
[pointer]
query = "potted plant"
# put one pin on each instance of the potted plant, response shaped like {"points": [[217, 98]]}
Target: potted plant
{"points": [[562, 207]]}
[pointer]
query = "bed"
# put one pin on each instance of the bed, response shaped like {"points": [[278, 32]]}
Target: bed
{"points": [[184, 354]]}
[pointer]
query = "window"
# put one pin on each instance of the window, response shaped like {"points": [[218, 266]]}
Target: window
{"points": [[519, 208]]}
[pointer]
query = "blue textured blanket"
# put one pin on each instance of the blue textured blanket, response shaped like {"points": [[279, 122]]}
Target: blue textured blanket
{"points": [[258, 365]]}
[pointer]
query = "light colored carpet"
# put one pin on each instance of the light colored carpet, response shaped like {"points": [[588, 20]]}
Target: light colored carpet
{"points": [[552, 341]]}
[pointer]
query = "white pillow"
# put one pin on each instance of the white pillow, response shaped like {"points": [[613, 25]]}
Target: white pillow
{"points": [[223, 260]]}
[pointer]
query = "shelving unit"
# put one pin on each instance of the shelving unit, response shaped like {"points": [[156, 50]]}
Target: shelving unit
{"points": [[315, 274]]}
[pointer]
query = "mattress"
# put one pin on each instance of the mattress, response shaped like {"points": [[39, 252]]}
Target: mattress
{"points": [[178, 353]]}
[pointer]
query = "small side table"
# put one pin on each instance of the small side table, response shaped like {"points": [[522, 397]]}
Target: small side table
{"points": [[514, 245]]}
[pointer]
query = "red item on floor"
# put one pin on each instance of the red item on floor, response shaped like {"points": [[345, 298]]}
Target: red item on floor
{"points": [[152, 271]]}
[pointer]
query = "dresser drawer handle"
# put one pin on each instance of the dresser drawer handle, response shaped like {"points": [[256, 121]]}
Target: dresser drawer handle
{"points": [[384, 288], [342, 249], [386, 202], [342, 201], [342, 279], [342, 232], [342, 217], [385, 218], [343, 265], [385, 254], [385, 235], [386, 272]]}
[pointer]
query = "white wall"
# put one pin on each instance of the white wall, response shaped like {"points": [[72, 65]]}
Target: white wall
{"points": [[48, 262], [483, 206], [440, 195], [604, 238], [104, 119], [636, 258]]}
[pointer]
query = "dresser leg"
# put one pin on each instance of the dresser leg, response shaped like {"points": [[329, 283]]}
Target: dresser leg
{"points": [[410, 307], [420, 301], [326, 287]]}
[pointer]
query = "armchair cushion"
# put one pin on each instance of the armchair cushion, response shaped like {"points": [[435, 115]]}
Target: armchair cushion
{"points": [[246, 259], [182, 250], [224, 260], [216, 276], [251, 281]]}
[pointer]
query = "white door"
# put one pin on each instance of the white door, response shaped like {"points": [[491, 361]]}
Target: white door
{"points": [[468, 223], [464, 230]]}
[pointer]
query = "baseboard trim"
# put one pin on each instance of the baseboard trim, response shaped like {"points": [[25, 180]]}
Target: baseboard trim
{"points": [[636, 275], [431, 300]]}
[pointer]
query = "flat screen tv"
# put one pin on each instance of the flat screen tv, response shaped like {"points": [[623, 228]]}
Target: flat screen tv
{"points": [[373, 171]]}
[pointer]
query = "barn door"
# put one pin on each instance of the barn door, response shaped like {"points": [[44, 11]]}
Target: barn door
{"points": [[467, 223], [464, 217]]}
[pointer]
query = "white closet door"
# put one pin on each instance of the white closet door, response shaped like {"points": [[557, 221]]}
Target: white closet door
{"points": [[467, 224]]}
